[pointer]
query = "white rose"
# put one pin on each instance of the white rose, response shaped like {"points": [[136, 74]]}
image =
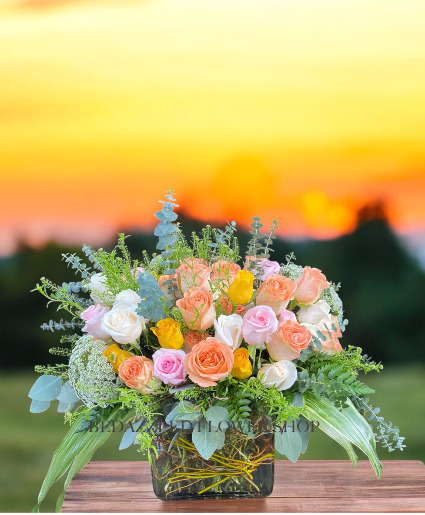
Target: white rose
{"points": [[281, 374], [99, 290], [129, 296], [316, 314], [228, 330], [123, 323]]}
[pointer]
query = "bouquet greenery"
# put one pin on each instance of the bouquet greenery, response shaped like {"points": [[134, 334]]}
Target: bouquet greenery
{"points": [[188, 336]]}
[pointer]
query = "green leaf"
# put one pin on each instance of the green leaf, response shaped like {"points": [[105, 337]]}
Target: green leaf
{"points": [[347, 427], [46, 388], [184, 411], [217, 414], [78, 446], [205, 441], [288, 443], [298, 400]]}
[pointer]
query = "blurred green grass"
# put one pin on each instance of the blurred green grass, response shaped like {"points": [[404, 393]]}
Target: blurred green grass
{"points": [[28, 440]]}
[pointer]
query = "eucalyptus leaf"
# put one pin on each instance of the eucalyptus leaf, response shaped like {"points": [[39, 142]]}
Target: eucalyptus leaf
{"points": [[288, 443], [128, 438], [217, 414], [206, 441], [67, 394], [63, 406], [39, 406], [46, 388]]}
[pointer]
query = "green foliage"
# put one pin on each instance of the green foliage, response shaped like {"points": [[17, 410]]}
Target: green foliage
{"points": [[386, 434], [60, 295], [117, 266], [60, 326], [60, 351], [243, 398], [333, 382], [346, 426], [59, 370]]}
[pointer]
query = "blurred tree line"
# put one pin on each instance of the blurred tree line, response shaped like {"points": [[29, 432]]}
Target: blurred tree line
{"points": [[382, 288]]}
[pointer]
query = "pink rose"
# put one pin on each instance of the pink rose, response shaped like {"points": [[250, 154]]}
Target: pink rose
{"points": [[168, 365], [310, 285], [287, 315], [224, 272], [197, 308], [137, 271], [93, 318], [269, 268], [193, 272], [165, 287], [258, 325]]}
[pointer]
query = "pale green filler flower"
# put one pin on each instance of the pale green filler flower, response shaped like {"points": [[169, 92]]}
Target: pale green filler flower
{"points": [[332, 298], [91, 374], [292, 271]]}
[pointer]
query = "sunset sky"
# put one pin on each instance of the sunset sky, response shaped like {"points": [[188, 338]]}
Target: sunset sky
{"points": [[299, 110]]}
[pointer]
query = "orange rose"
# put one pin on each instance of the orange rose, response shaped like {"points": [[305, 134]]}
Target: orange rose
{"points": [[193, 272], [224, 272], [288, 341], [191, 339], [310, 285], [276, 292], [197, 308], [137, 373], [208, 362]]}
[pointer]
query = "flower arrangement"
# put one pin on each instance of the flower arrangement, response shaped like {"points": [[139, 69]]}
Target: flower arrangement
{"points": [[247, 354]]}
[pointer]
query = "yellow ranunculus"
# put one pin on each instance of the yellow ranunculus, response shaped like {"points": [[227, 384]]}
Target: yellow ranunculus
{"points": [[242, 287], [168, 333], [242, 367], [116, 356]]}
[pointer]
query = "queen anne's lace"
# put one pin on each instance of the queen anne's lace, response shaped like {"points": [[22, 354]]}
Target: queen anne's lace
{"points": [[292, 271], [91, 374], [332, 298]]}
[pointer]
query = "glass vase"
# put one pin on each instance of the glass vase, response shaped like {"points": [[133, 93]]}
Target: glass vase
{"points": [[243, 467]]}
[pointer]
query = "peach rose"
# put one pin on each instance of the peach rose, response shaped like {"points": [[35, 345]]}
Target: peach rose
{"points": [[331, 345], [224, 272], [137, 373], [193, 272], [208, 362], [310, 285], [288, 341], [191, 339], [165, 287], [197, 308], [276, 292]]}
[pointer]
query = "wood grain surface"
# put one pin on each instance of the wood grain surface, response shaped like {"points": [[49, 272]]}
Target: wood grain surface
{"points": [[306, 486]]}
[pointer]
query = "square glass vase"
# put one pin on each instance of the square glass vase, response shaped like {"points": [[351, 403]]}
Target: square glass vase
{"points": [[242, 468]]}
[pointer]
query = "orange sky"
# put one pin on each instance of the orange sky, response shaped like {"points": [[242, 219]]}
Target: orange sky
{"points": [[299, 110]]}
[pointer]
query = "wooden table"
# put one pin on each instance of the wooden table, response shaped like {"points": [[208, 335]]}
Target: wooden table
{"points": [[307, 486]]}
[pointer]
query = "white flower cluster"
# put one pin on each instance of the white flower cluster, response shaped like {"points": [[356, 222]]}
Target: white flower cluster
{"points": [[332, 298], [91, 374], [292, 271]]}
